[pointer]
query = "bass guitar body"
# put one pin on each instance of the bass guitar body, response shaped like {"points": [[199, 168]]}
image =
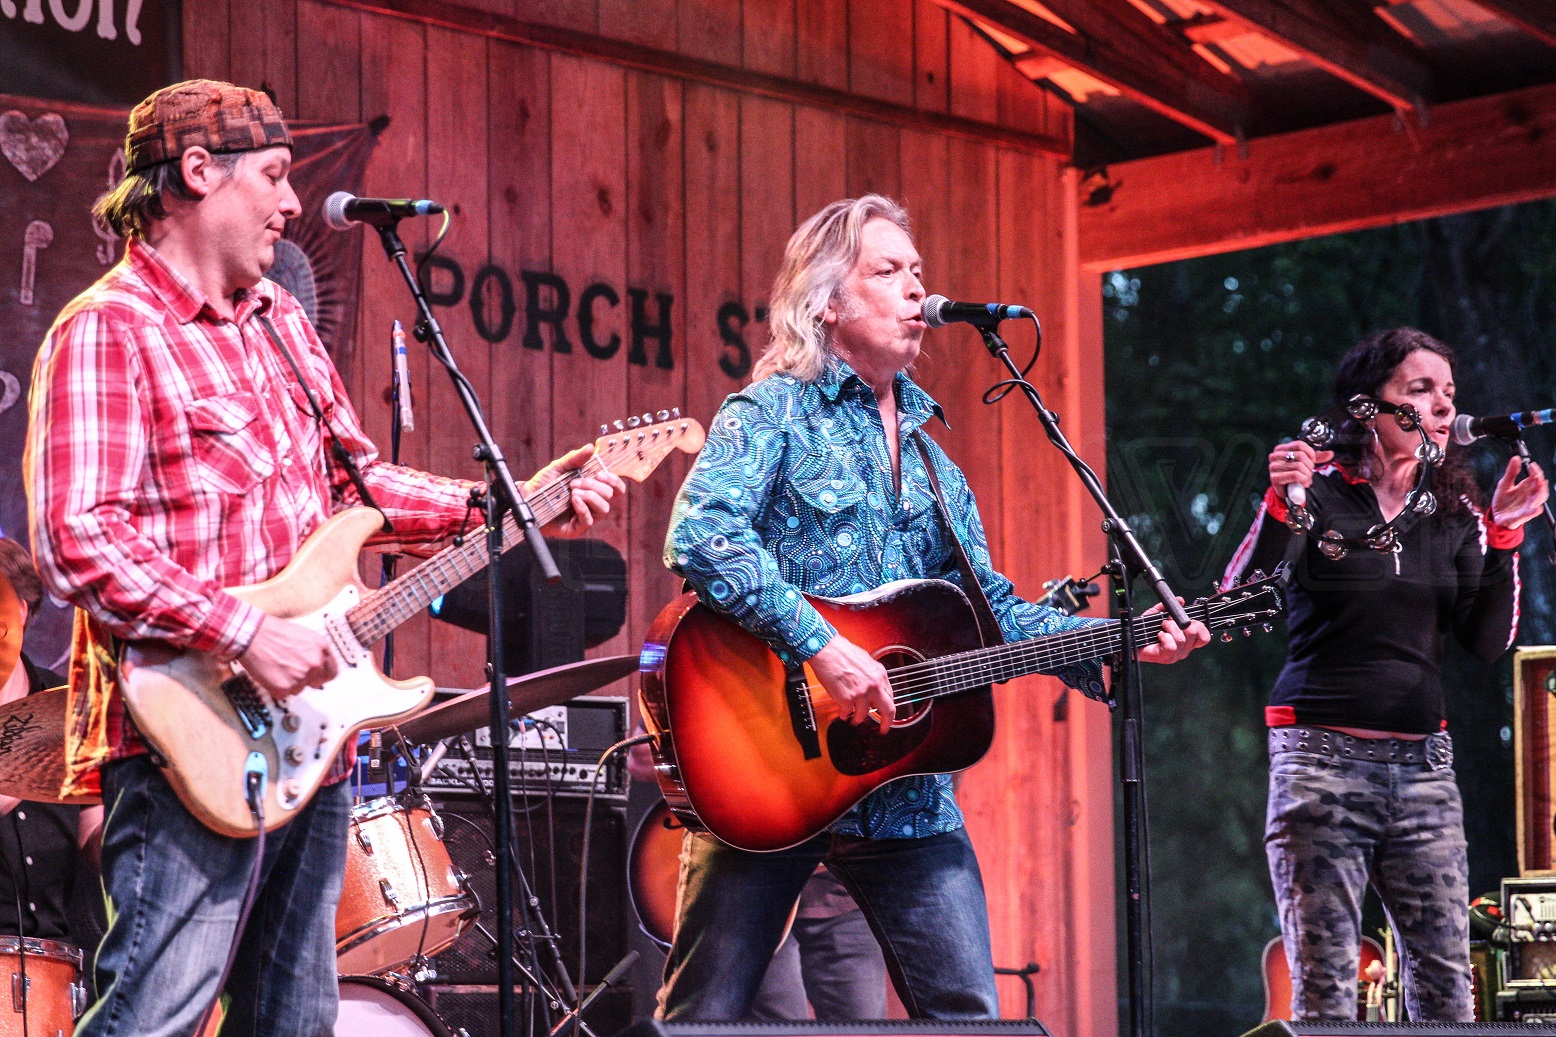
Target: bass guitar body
{"points": [[206, 719], [756, 755]]}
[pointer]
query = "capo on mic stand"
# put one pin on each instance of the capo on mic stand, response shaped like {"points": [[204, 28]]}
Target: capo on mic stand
{"points": [[1127, 561], [503, 497]]}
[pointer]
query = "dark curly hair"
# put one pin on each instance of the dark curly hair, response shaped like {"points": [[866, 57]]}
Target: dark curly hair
{"points": [[1365, 369]]}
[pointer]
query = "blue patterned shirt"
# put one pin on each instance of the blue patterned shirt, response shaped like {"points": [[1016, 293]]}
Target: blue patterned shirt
{"points": [[793, 495]]}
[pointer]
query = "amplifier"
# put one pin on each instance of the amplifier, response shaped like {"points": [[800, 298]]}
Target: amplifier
{"points": [[556, 750], [1529, 926]]}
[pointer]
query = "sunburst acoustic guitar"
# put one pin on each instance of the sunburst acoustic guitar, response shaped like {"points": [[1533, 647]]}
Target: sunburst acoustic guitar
{"points": [[755, 754]]}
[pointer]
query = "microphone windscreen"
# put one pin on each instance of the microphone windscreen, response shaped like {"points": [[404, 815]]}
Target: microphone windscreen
{"points": [[931, 311], [335, 210], [1461, 430]]}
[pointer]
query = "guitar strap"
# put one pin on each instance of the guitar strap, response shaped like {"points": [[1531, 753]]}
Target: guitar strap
{"points": [[340, 453], [988, 626]]}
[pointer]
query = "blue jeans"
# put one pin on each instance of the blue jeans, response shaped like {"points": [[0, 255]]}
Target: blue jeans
{"points": [[175, 889], [923, 899], [1333, 826], [830, 964]]}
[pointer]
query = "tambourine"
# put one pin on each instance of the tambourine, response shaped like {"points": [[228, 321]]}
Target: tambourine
{"points": [[1319, 433]]}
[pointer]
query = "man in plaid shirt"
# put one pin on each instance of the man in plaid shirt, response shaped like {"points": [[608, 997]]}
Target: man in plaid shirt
{"points": [[173, 451]]}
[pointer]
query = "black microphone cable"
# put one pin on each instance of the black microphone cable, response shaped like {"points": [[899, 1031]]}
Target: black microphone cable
{"points": [[583, 870]]}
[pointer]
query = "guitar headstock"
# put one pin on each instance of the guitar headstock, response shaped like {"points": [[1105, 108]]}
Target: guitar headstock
{"points": [[635, 446], [1254, 603]]}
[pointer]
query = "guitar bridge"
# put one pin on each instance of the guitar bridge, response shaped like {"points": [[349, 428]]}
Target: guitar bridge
{"points": [[251, 709], [801, 715]]}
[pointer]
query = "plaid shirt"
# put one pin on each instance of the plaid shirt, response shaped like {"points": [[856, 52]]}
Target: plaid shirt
{"points": [[171, 453]]}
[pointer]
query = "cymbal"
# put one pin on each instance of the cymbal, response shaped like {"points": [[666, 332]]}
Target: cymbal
{"points": [[526, 694], [32, 749]]}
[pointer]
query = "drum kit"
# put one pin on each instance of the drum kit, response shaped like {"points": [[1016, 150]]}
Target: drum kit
{"points": [[403, 900]]}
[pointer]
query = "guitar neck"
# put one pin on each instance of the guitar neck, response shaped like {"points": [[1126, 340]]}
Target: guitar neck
{"points": [[392, 604], [963, 671]]}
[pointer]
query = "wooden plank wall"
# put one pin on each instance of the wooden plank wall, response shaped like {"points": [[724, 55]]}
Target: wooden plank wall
{"points": [[623, 183]]}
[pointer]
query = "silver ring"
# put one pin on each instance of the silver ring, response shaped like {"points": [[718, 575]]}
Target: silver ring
{"points": [[1291, 457]]}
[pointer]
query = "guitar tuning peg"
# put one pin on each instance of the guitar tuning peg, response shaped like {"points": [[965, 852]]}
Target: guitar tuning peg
{"points": [[620, 425], [663, 415], [1257, 575], [675, 412], [634, 421], [1226, 637], [1247, 632], [1268, 628], [648, 419], [605, 430]]}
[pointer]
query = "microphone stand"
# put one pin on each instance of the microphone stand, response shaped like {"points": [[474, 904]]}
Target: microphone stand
{"points": [[1128, 560], [502, 496]]}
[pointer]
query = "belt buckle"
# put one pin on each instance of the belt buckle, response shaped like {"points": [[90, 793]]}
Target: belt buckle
{"points": [[1439, 752]]}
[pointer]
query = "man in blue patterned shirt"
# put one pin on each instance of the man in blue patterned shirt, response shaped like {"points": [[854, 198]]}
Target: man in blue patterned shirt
{"points": [[811, 483]]}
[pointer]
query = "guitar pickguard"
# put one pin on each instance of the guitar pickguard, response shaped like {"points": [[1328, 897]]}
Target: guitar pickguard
{"points": [[861, 749]]}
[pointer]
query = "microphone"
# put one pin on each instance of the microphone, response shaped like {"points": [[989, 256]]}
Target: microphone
{"points": [[343, 208], [1467, 429], [939, 311], [402, 379]]}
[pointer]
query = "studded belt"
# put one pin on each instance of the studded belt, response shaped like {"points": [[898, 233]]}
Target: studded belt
{"points": [[1436, 751]]}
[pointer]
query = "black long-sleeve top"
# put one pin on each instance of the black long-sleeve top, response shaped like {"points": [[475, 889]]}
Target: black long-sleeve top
{"points": [[1367, 630]]}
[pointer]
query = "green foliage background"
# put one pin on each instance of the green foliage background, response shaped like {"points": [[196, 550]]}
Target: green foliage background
{"points": [[1211, 362]]}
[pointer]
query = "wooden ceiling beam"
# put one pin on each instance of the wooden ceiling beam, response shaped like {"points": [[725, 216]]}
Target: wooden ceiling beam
{"points": [[1537, 17], [1497, 150], [1346, 38], [1115, 43]]}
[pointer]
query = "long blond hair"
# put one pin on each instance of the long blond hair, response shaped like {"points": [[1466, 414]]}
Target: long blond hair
{"points": [[815, 262]]}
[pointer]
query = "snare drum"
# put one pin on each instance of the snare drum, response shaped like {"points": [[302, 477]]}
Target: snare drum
{"points": [[403, 898], [53, 994], [368, 1005]]}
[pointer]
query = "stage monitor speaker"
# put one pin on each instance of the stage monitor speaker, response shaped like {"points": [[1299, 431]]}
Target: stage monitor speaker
{"points": [[546, 833], [866, 1028], [1282, 1028]]}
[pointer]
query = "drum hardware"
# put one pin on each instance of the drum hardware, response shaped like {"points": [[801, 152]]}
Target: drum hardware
{"points": [[386, 1008]]}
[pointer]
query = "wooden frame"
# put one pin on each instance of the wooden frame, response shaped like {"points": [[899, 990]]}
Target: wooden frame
{"points": [[1534, 686], [1368, 173]]}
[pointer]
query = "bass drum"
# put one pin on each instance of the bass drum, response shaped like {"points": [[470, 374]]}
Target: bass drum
{"points": [[369, 1005]]}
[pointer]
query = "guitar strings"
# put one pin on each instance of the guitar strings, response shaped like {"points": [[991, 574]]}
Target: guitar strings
{"points": [[948, 674]]}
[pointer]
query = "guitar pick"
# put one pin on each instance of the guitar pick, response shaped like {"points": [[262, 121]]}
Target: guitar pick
{"points": [[33, 145]]}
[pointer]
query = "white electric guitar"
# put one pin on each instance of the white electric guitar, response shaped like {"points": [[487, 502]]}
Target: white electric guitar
{"points": [[215, 728]]}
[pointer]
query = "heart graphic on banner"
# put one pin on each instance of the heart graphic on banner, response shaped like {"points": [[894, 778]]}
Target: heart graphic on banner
{"points": [[33, 145]]}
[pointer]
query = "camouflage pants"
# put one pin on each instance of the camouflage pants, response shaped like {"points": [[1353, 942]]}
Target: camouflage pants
{"points": [[1335, 825]]}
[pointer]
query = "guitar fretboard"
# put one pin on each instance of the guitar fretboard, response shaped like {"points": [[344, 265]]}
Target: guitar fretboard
{"points": [[963, 671], [392, 604]]}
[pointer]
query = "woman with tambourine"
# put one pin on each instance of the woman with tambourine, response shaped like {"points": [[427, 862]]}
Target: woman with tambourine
{"points": [[1393, 550]]}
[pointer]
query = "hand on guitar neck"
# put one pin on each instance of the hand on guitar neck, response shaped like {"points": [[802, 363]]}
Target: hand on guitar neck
{"points": [[590, 494], [1172, 642]]}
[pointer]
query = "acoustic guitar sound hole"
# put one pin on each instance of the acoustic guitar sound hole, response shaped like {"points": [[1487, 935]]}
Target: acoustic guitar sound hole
{"points": [[860, 749], [907, 712]]}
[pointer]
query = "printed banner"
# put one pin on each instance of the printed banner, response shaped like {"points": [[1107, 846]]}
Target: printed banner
{"points": [[92, 51], [56, 158]]}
